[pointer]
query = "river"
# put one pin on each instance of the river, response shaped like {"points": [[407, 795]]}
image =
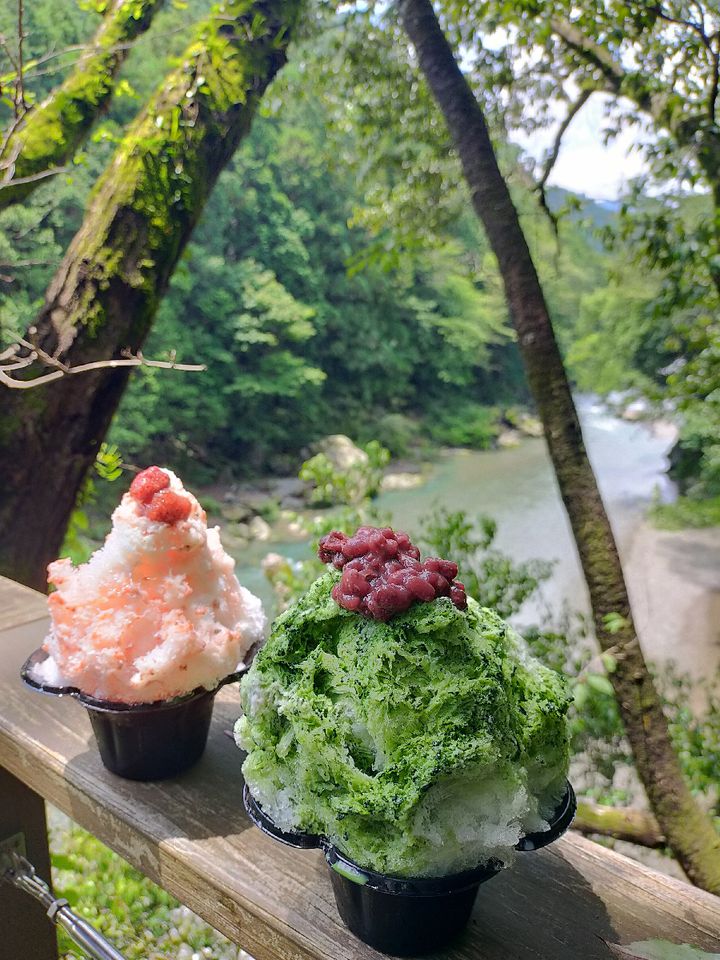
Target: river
{"points": [[674, 578]]}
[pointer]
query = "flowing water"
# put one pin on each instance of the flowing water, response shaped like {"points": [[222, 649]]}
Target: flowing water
{"points": [[516, 487]]}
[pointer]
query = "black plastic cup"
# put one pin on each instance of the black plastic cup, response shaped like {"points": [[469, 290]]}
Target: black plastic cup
{"points": [[142, 741], [406, 916]]}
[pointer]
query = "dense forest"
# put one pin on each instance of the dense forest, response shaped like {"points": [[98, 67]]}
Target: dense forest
{"points": [[313, 314]]}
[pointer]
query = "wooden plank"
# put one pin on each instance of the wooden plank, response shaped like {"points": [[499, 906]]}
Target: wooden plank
{"points": [[19, 604], [192, 836], [26, 930]]}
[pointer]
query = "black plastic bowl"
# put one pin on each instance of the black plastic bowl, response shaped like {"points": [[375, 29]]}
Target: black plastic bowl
{"points": [[142, 741], [406, 916]]}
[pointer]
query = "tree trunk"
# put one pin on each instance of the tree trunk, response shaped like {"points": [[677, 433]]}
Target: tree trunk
{"points": [[690, 833], [48, 135], [107, 290]]}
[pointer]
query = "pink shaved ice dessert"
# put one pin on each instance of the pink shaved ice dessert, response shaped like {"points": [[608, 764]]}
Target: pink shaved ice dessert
{"points": [[157, 611]]}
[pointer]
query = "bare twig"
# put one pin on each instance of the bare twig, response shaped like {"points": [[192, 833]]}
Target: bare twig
{"points": [[39, 61], [10, 361], [714, 86], [551, 160], [32, 178], [20, 105], [697, 28], [25, 263]]}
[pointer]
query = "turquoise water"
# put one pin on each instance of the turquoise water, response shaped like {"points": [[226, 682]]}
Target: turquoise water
{"points": [[517, 488]]}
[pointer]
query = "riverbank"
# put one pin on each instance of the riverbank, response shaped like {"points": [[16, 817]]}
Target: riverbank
{"points": [[674, 583]]}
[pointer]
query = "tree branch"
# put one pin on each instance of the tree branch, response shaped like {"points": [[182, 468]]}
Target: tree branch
{"points": [[50, 133], [618, 80], [593, 53], [9, 361], [622, 823], [688, 24], [551, 160], [20, 105]]}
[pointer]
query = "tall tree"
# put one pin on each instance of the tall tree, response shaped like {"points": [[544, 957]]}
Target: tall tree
{"points": [[42, 138], [689, 831], [106, 292]]}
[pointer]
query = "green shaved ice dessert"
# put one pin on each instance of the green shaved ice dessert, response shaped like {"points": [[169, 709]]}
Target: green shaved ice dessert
{"points": [[420, 745]]}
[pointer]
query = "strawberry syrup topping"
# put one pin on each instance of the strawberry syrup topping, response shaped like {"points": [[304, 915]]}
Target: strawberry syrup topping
{"points": [[147, 483], [157, 502], [383, 574]]}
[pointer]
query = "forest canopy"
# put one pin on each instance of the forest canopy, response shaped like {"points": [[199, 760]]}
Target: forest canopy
{"points": [[317, 301]]}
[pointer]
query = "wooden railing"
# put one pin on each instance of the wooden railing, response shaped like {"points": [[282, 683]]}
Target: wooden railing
{"points": [[192, 836]]}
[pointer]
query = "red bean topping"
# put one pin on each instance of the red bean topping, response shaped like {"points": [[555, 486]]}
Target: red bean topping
{"points": [[383, 574]]}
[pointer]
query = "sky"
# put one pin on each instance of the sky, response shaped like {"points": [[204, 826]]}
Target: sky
{"points": [[585, 164]]}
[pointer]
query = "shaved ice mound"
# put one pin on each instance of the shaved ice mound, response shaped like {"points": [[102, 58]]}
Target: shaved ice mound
{"points": [[420, 745], [157, 612]]}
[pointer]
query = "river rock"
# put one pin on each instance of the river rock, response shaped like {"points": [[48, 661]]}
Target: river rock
{"points": [[341, 451], [287, 489], [259, 529], [237, 512], [274, 564], [529, 425], [509, 438], [401, 481], [637, 410]]}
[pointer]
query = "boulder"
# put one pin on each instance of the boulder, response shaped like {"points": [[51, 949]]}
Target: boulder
{"points": [[341, 451], [259, 529], [237, 512], [509, 438], [529, 425]]}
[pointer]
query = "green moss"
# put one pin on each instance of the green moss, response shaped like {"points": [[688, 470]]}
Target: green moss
{"points": [[51, 133]]}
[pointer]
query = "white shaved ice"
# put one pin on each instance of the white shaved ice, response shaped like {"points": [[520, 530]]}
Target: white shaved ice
{"points": [[155, 613]]}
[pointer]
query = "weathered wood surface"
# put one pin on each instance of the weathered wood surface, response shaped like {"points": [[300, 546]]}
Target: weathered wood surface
{"points": [[192, 836], [19, 604]]}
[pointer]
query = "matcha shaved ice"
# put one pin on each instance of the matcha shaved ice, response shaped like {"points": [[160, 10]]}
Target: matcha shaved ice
{"points": [[421, 746]]}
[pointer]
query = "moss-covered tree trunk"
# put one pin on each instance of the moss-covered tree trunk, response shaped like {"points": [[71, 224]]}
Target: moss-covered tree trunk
{"points": [[108, 287], [48, 135], [689, 832]]}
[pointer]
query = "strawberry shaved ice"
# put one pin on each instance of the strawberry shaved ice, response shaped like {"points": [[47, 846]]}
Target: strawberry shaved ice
{"points": [[156, 612]]}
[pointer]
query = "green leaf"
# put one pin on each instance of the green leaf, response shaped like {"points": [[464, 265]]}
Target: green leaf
{"points": [[580, 695], [614, 622], [600, 684], [609, 662]]}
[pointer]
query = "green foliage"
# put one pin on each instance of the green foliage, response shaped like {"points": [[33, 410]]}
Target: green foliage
{"points": [[359, 482], [138, 917], [686, 512], [108, 468], [398, 433], [467, 425], [490, 577], [297, 348]]}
